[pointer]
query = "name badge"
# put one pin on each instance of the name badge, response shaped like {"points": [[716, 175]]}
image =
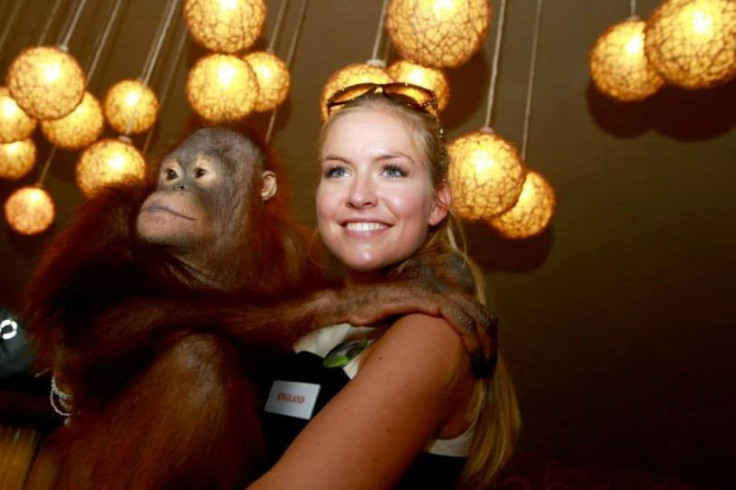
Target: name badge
{"points": [[292, 398]]}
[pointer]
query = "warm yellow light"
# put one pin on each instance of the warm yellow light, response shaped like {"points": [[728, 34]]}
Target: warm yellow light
{"points": [[225, 26], [130, 106], [222, 88], [371, 72], [274, 79], [78, 129], [432, 79], [46, 82], [532, 212], [109, 162], [17, 158], [29, 210], [618, 66], [438, 33], [15, 124], [486, 174], [692, 43]]}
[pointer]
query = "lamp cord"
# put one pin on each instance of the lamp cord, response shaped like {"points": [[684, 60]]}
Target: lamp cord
{"points": [[530, 83], [103, 39], [10, 23], [69, 29], [632, 7], [289, 59], [277, 27], [379, 31], [49, 21], [45, 168], [496, 56]]}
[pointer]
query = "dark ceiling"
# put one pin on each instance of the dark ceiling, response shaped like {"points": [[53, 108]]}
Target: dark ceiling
{"points": [[617, 323]]}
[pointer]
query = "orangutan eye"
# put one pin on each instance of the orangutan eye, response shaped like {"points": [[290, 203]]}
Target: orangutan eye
{"points": [[170, 174], [199, 172]]}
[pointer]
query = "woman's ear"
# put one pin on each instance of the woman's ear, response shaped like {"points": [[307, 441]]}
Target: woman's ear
{"points": [[441, 205], [269, 185]]}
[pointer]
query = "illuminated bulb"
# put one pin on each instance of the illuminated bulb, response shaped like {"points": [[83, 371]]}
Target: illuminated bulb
{"points": [[222, 88], [486, 174], [430, 78], [46, 82], [109, 162], [17, 159], [370, 72], [618, 66], [532, 212], [130, 107], [29, 210], [14, 122], [692, 43], [438, 33], [225, 26], [273, 79], [78, 129]]}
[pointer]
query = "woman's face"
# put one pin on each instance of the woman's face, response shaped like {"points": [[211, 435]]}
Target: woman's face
{"points": [[375, 201]]}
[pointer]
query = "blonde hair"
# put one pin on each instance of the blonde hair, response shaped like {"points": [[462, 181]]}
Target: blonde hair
{"points": [[493, 406]]}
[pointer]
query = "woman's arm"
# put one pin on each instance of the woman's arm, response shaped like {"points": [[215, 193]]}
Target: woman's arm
{"points": [[415, 382]]}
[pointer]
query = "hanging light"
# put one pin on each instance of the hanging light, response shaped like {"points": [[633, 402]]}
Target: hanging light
{"points": [[692, 43], [17, 158], [438, 33], [78, 129], [225, 26], [29, 210], [618, 65], [372, 71], [130, 106], [432, 79], [109, 162], [46, 82], [15, 124], [273, 79], [532, 212], [486, 174], [222, 87]]}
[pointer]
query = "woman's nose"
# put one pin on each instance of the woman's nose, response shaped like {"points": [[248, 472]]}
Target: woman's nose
{"points": [[362, 193]]}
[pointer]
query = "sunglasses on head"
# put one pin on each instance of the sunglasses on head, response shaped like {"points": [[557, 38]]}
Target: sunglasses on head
{"points": [[412, 96]]}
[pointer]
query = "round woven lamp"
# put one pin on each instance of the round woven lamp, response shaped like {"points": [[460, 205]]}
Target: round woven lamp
{"points": [[17, 158], [373, 71], [692, 43], [438, 33], [532, 212], [486, 174], [46, 82], [15, 124], [618, 65], [273, 77], [78, 129], [222, 88], [130, 106], [108, 162], [225, 26], [29, 210], [432, 79]]}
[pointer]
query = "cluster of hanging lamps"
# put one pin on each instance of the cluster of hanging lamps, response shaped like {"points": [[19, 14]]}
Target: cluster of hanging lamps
{"points": [[29, 210], [438, 33], [531, 213], [272, 77], [78, 129], [15, 124]]}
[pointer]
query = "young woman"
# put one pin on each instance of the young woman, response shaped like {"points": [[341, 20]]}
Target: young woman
{"points": [[364, 408]]}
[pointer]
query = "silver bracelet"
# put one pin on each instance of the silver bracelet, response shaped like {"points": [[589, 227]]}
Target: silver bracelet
{"points": [[63, 399]]}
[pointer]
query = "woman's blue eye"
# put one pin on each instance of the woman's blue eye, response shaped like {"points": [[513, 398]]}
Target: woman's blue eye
{"points": [[335, 172], [393, 171]]}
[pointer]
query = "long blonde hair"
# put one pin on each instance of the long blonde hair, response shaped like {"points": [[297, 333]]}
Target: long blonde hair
{"points": [[493, 406]]}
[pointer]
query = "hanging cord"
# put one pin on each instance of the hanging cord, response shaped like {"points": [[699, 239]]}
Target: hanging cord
{"points": [[530, 83], [379, 31], [289, 59], [103, 39], [167, 83], [46, 165], [49, 21], [496, 56], [10, 23], [632, 8], [69, 29], [277, 27], [163, 29]]}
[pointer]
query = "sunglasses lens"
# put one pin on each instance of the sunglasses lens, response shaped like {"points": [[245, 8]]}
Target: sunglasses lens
{"points": [[345, 95]]}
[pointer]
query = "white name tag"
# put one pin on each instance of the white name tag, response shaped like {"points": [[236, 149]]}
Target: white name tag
{"points": [[292, 398]]}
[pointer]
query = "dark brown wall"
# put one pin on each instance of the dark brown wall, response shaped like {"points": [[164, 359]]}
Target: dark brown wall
{"points": [[618, 323]]}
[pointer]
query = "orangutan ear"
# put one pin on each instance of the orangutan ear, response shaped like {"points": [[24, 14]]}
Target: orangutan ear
{"points": [[441, 205], [269, 185]]}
